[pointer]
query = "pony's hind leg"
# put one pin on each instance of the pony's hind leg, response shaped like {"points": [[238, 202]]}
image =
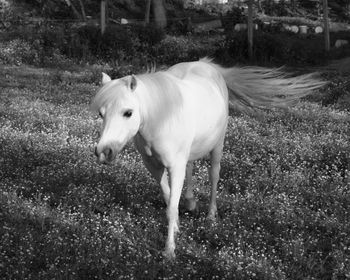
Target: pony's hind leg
{"points": [[214, 176], [190, 201]]}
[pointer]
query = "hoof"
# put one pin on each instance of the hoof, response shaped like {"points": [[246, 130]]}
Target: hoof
{"points": [[169, 255], [212, 216]]}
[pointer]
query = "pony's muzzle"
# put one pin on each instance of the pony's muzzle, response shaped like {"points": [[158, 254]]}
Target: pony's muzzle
{"points": [[106, 155]]}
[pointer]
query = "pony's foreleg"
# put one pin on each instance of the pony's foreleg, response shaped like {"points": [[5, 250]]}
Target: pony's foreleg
{"points": [[159, 173], [214, 176], [164, 184], [189, 196], [177, 176]]}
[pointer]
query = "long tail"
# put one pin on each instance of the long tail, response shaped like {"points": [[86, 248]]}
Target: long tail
{"points": [[265, 88]]}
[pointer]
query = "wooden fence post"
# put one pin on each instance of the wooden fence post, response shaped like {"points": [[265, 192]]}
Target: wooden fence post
{"points": [[103, 16], [326, 25], [148, 9], [250, 29]]}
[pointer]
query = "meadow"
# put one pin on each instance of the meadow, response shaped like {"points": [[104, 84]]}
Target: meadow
{"points": [[283, 198]]}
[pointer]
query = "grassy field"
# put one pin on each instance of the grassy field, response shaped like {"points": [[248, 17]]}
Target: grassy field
{"points": [[283, 198]]}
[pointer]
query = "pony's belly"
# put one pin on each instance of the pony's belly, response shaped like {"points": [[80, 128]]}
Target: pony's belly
{"points": [[210, 115], [201, 146], [209, 134]]}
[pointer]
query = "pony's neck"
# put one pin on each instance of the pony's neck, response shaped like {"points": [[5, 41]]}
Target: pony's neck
{"points": [[160, 99]]}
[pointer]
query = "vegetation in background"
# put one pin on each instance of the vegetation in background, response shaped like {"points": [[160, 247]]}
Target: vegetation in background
{"points": [[50, 43], [138, 45], [283, 48]]}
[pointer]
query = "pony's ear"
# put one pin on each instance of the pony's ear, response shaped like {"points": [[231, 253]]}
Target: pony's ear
{"points": [[105, 78], [133, 83]]}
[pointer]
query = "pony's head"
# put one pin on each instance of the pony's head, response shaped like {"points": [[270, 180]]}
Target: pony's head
{"points": [[118, 106]]}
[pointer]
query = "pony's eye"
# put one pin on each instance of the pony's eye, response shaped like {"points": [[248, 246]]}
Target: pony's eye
{"points": [[100, 114], [127, 114]]}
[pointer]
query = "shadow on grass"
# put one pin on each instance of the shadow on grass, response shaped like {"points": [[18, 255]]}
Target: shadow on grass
{"points": [[70, 175]]}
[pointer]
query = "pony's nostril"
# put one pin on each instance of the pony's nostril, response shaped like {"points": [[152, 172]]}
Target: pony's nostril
{"points": [[107, 151], [105, 155]]}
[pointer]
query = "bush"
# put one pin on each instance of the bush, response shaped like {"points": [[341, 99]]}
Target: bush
{"points": [[49, 41], [276, 9], [149, 35], [54, 9], [281, 48], [137, 45], [17, 52], [5, 9], [233, 17], [83, 43], [117, 43], [306, 51], [173, 49], [87, 41]]}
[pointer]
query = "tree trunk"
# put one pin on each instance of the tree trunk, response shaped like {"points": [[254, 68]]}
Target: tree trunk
{"points": [[148, 9], [159, 13], [259, 6], [293, 5], [326, 25], [268, 7], [103, 16], [82, 8], [250, 29], [75, 11]]}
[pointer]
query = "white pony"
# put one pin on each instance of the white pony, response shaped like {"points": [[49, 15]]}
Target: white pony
{"points": [[180, 115]]}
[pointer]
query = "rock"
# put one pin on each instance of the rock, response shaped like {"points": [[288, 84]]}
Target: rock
{"points": [[339, 43], [240, 26], [286, 27], [318, 29], [294, 29]]}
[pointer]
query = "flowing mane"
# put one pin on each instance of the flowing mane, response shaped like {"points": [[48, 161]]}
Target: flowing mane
{"points": [[106, 95], [162, 97], [159, 97]]}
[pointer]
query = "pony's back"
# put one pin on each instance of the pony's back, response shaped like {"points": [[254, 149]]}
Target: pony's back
{"points": [[203, 68]]}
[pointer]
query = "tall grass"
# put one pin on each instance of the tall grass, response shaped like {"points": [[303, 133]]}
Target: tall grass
{"points": [[283, 197]]}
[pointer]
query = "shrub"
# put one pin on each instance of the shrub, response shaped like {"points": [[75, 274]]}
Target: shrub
{"points": [[112, 42], [173, 49], [149, 35], [281, 48], [5, 8], [232, 18], [49, 42], [83, 43], [17, 52], [117, 43], [51, 8], [277, 9], [88, 41]]}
